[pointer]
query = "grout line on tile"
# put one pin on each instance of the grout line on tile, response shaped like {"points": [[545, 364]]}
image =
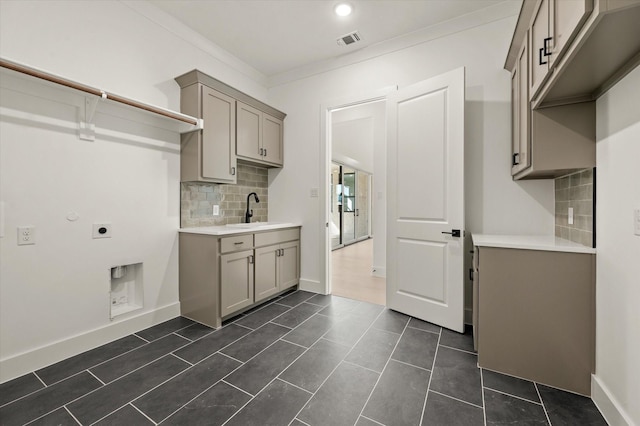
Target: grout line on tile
{"points": [[248, 328], [426, 331], [41, 381], [284, 340], [511, 395], [271, 322], [542, 402], [358, 365], [410, 365], [141, 412], [142, 394], [236, 387], [370, 419], [140, 337], [457, 399], [230, 357], [336, 367], [182, 359], [484, 405], [295, 418], [96, 377], [184, 337], [201, 393], [460, 350], [42, 416], [386, 364], [295, 386], [71, 414], [433, 366]]}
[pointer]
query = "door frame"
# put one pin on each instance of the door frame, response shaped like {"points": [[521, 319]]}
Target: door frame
{"points": [[325, 170]]}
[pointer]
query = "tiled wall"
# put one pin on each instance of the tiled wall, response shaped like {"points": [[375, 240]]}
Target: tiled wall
{"points": [[198, 199], [575, 190]]}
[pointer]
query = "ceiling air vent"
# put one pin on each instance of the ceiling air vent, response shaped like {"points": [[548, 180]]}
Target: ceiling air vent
{"points": [[348, 39]]}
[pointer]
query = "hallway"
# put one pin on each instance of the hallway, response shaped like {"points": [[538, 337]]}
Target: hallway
{"points": [[351, 274]]}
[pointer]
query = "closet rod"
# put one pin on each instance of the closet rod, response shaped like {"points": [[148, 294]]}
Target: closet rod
{"points": [[93, 91]]}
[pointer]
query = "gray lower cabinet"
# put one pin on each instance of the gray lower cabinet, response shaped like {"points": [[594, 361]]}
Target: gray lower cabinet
{"points": [[534, 315], [223, 275], [277, 269], [236, 278]]}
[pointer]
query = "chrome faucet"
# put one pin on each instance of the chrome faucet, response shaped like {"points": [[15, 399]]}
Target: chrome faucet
{"points": [[249, 213]]}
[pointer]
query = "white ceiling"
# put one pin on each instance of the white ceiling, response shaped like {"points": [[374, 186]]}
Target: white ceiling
{"points": [[278, 36]]}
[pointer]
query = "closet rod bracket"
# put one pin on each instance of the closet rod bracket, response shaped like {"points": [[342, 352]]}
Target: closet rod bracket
{"points": [[87, 128]]}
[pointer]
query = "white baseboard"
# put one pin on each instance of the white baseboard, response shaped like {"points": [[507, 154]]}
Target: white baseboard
{"points": [[311, 285], [608, 405], [32, 360], [379, 271]]}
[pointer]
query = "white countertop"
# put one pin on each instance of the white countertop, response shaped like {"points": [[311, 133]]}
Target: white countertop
{"points": [[240, 228], [530, 242]]}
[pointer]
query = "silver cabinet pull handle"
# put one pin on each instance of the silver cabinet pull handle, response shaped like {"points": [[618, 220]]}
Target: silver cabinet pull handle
{"points": [[233, 171], [250, 259], [265, 152], [238, 243]]}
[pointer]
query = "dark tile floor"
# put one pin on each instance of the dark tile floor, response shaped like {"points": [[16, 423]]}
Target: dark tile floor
{"points": [[302, 359]]}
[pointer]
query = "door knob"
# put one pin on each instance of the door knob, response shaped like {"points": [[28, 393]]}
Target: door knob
{"points": [[453, 233]]}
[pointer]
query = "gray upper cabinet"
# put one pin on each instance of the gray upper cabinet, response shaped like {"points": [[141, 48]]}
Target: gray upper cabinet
{"points": [[566, 18], [237, 128], [539, 48], [555, 24], [520, 114], [563, 56], [578, 49], [259, 136], [209, 155]]}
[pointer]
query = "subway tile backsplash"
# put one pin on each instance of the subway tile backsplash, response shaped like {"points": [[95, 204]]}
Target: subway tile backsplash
{"points": [[198, 199], [576, 191]]}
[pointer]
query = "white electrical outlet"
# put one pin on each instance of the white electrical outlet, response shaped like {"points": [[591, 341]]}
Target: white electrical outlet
{"points": [[216, 210], [26, 235], [101, 230], [570, 216]]}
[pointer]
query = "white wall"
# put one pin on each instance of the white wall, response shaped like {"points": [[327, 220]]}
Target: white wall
{"points": [[616, 385], [54, 295], [494, 203]]}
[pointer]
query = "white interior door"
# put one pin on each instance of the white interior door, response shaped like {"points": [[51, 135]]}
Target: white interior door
{"points": [[425, 178]]}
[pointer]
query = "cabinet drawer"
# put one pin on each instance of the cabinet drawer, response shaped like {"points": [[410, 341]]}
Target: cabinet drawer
{"points": [[237, 242], [275, 237]]}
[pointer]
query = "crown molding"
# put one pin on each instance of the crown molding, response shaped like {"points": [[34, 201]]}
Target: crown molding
{"points": [[505, 9]]}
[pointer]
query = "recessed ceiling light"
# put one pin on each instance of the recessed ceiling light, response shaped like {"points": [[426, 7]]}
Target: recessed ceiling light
{"points": [[343, 9]]}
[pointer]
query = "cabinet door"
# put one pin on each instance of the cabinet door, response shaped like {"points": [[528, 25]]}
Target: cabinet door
{"points": [[524, 110], [236, 281], [272, 139], [538, 61], [266, 279], [289, 264], [567, 18], [515, 122], [520, 112], [249, 128], [218, 136]]}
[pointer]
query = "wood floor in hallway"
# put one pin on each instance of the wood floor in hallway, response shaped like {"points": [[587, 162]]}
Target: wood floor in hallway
{"points": [[351, 274]]}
